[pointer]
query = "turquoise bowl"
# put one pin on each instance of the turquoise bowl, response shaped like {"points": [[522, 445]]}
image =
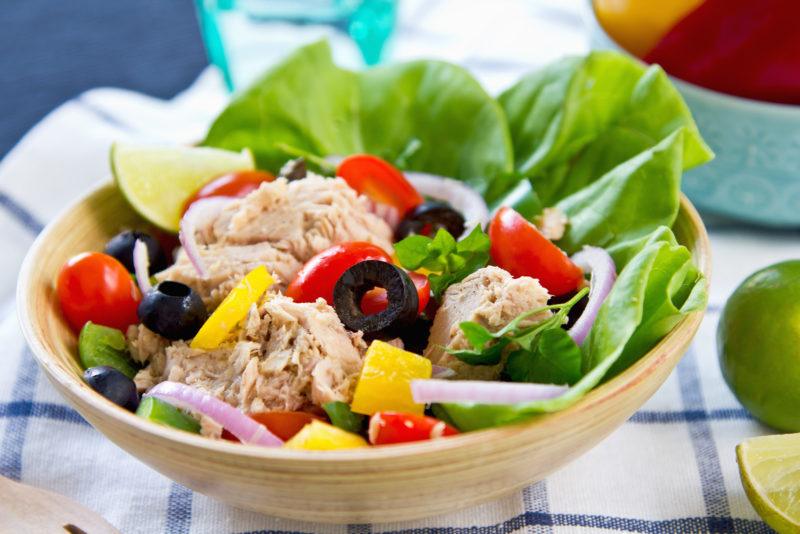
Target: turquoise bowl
{"points": [[755, 176]]}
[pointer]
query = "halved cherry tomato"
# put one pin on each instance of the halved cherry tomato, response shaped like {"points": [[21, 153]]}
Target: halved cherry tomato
{"points": [[519, 248], [375, 300], [283, 424], [96, 287], [319, 275], [236, 184], [392, 427], [380, 181]]}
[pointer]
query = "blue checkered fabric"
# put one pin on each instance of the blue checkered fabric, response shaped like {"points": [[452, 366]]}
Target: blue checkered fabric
{"points": [[670, 468]]}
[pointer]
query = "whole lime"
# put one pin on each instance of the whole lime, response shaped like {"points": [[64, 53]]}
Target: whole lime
{"points": [[758, 343]]}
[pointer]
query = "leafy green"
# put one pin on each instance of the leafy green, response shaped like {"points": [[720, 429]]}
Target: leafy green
{"points": [[631, 200], [555, 359], [654, 290], [425, 115], [487, 347], [343, 417], [576, 119], [449, 260]]}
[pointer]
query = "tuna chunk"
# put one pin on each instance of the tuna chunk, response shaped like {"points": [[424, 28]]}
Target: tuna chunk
{"points": [[490, 297], [552, 223], [289, 356], [227, 265], [280, 225]]}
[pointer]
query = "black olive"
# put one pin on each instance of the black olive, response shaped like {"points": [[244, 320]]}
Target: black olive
{"points": [[113, 385], [173, 310], [401, 311], [430, 215], [575, 312], [294, 169], [121, 247]]}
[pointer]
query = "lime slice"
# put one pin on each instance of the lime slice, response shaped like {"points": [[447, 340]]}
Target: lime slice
{"points": [[157, 180], [770, 471]]}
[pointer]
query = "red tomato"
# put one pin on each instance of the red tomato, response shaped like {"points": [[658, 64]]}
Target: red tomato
{"points": [[283, 424], [519, 248], [235, 184], [380, 181], [375, 301], [319, 275], [96, 287], [391, 427]]}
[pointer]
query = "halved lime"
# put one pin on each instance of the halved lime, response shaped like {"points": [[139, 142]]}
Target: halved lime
{"points": [[770, 471], [157, 180]]}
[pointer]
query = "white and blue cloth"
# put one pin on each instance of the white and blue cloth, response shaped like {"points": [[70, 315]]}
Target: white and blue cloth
{"points": [[670, 468]]}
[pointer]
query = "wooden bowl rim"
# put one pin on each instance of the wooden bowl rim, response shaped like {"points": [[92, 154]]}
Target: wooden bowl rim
{"points": [[602, 394]]}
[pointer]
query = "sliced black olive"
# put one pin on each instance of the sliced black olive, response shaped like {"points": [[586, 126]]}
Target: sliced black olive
{"points": [[113, 385], [401, 311], [428, 217], [173, 310], [121, 247], [294, 169]]}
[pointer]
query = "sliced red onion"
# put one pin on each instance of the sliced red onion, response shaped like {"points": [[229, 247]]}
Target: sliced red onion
{"points": [[459, 195], [141, 267], [188, 398], [603, 275], [200, 213], [482, 392], [440, 371]]}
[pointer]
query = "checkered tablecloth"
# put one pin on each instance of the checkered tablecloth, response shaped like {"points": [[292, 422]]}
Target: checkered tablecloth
{"points": [[670, 468]]}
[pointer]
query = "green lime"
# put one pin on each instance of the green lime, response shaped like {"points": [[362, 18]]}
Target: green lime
{"points": [[157, 180], [770, 471], [758, 343]]}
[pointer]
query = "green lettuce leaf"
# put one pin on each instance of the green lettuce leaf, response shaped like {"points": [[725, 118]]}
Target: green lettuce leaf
{"points": [[578, 118], [425, 115], [654, 290]]}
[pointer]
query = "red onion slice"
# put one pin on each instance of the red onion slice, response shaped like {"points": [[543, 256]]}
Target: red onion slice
{"points": [[603, 275], [482, 392], [141, 267], [201, 212], [188, 398], [459, 195]]}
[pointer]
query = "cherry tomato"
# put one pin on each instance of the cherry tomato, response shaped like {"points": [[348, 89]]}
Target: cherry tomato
{"points": [[392, 427], [375, 301], [96, 287], [236, 184], [519, 248], [319, 275], [283, 424], [380, 181]]}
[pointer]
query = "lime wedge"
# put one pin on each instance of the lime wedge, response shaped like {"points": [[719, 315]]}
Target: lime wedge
{"points": [[157, 180], [770, 471]]}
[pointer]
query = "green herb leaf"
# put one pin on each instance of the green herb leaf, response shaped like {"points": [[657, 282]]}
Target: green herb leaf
{"points": [[555, 359], [449, 260], [476, 334], [487, 356]]}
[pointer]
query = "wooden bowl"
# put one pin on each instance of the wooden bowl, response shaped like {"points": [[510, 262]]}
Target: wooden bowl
{"points": [[383, 484]]}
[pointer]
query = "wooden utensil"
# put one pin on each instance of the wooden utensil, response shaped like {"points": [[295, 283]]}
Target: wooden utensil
{"points": [[24, 509], [381, 484]]}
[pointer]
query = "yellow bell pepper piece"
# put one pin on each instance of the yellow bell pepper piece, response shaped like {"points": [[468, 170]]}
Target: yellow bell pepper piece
{"points": [[638, 25], [385, 381], [319, 436], [233, 309]]}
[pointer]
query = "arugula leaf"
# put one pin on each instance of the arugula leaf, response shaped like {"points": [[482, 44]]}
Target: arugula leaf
{"points": [[655, 288], [555, 359], [450, 261], [424, 115], [578, 118]]}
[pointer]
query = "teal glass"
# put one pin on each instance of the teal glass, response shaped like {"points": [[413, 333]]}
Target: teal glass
{"points": [[243, 37]]}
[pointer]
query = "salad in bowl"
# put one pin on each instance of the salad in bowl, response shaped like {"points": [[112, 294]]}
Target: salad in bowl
{"points": [[365, 259]]}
